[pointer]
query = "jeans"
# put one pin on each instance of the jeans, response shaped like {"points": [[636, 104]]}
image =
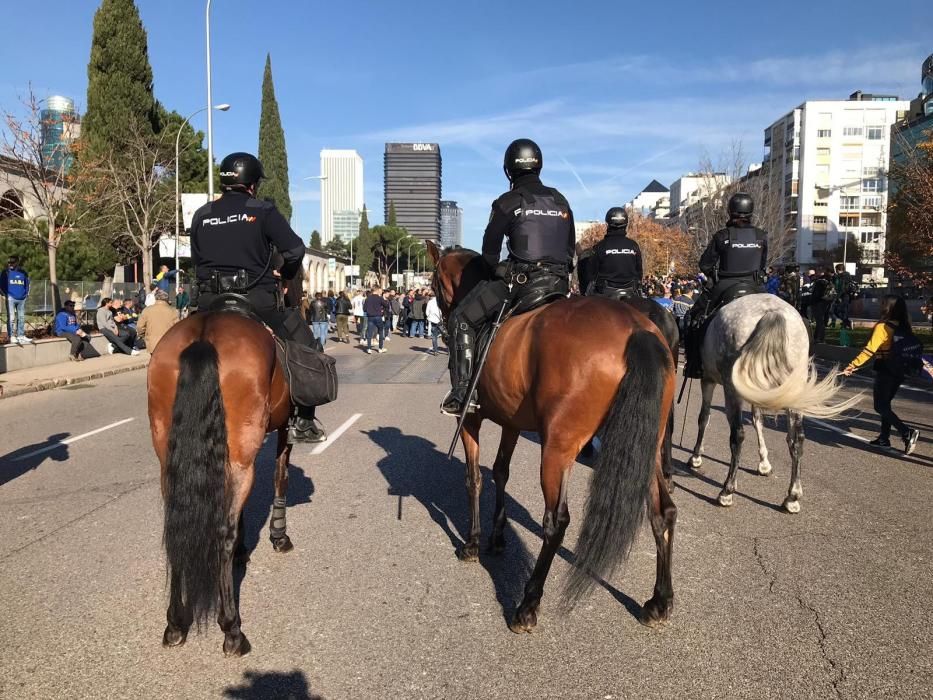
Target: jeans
{"points": [[16, 317], [80, 345], [361, 326], [320, 331], [122, 342], [375, 323], [435, 333], [886, 386], [417, 327]]}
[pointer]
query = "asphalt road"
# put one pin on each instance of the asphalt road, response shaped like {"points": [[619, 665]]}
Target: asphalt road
{"points": [[372, 603]]}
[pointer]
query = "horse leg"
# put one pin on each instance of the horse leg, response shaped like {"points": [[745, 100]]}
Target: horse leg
{"points": [[736, 437], [795, 438], [239, 482], [663, 516], [500, 473], [555, 472], [706, 388], [280, 540], [474, 485], [764, 466], [240, 553], [178, 615], [667, 452]]}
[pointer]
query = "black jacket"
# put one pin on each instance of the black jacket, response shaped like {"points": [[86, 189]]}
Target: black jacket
{"points": [[736, 251], [343, 307], [317, 311], [535, 220], [618, 260], [236, 231]]}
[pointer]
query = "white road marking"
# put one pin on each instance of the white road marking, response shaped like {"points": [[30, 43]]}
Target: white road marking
{"points": [[332, 438], [837, 429], [68, 441]]}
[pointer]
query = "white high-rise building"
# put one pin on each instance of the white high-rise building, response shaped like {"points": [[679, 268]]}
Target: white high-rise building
{"points": [[829, 158], [341, 193]]}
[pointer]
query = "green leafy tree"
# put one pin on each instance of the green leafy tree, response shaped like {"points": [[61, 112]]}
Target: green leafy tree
{"points": [[385, 245], [191, 152], [81, 256], [336, 246], [119, 78], [272, 148], [391, 219], [316, 239], [363, 250]]}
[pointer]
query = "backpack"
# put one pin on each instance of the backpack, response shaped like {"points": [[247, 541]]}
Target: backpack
{"points": [[905, 358], [829, 291]]}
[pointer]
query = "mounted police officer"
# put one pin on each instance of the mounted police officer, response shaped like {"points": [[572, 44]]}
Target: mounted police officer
{"points": [[233, 242], [613, 267], [537, 224], [734, 264]]}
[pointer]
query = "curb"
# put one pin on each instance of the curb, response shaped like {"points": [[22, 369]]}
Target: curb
{"points": [[9, 392]]}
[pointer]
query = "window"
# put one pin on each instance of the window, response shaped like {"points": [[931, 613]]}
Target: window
{"points": [[824, 133], [871, 171], [872, 201], [871, 219], [818, 203], [819, 220], [848, 221], [851, 131], [822, 152], [875, 133], [871, 185], [848, 203]]}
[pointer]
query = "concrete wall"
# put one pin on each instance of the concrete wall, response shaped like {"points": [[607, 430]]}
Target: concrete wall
{"points": [[42, 352]]}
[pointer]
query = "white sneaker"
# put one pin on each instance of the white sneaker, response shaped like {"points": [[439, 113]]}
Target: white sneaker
{"points": [[134, 351], [367, 351], [23, 340], [110, 349], [382, 349]]}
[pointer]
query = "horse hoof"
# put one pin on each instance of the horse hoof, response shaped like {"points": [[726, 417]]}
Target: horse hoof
{"points": [[237, 646], [468, 552], [696, 462], [725, 499], [282, 544], [524, 621], [173, 637], [791, 506], [764, 468], [654, 613]]}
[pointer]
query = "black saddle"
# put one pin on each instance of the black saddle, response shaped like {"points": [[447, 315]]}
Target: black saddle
{"points": [[734, 291], [532, 291], [234, 303], [601, 288]]}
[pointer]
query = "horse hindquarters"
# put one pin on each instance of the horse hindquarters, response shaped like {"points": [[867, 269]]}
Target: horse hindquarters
{"points": [[627, 465], [194, 496]]}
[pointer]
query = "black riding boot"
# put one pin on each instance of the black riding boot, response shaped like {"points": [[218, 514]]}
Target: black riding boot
{"points": [[461, 371], [304, 427], [693, 339]]}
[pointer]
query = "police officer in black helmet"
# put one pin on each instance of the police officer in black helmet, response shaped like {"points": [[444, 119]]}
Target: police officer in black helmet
{"points": [[536, 223], [233, 241], [613, 267], [736, 255]]}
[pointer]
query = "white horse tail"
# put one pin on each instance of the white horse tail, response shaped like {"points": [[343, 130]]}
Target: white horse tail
{"points": [[766, 374]]}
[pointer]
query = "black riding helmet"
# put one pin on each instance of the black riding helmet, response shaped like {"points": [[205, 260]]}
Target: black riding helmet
{"points": [[240, 169], [741, 205], [522, 156], [617, 218]]}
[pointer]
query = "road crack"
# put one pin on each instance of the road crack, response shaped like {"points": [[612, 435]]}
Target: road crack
{"points": [[759, 557]]}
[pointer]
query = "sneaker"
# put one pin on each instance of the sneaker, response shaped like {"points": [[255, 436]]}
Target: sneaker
{"points": [[134, 351], [910, 440], [367, 351], [23, 340], [110, 349], [382, 349], [880, 442]]}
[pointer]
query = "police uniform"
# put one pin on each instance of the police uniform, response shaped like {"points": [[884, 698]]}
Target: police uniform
{"points": [[618, 266]]}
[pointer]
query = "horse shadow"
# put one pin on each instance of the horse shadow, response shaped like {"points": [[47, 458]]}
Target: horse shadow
{"points": [[414, 467], [25, 459], [257, 685]]}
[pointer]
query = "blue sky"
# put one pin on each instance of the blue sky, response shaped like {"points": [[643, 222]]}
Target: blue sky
{"points": [[615, 93]]}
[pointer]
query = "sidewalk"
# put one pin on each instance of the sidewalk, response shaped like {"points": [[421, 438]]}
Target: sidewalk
{"points": [[26, 381]]}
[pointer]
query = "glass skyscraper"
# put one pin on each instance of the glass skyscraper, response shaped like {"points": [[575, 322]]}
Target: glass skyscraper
{"points": [[61, 126]]}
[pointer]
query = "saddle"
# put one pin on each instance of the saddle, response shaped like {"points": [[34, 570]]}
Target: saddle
{"points": [[601, 288], [235, 303], [531, 291]]}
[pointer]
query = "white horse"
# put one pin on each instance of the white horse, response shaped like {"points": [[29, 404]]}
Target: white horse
{"points": [[757, 347]]}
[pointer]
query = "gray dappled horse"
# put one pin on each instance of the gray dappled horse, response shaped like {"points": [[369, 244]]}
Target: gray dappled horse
{"points": [[758, 348]]}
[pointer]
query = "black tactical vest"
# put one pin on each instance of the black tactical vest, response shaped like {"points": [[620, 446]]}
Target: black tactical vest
{"points": [[541, 230], [618, 260], [741, 256]]}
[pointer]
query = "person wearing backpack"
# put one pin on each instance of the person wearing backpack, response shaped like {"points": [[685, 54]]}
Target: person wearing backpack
{"points": [[896, 350]]}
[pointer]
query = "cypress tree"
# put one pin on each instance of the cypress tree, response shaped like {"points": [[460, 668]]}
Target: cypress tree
{"points": [[390, 219], [272, 148], [119, 78], [363, 249], [316, 239]]}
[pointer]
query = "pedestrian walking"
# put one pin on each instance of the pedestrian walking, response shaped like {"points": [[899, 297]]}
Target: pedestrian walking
{"points": [[418, 303], [432, 312], [396, 306], [14, 286], [822, 296], [342, 310], [318, 318], [374, 308], [182, 302], [358, 314], [888, 340]]}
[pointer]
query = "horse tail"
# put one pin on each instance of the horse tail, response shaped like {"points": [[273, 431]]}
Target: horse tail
{"points": [[625, 466], [766, 375], [195, 476]]}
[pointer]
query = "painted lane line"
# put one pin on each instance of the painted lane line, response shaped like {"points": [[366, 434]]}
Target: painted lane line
{"points": [[332, 438], [837, 429], [68, 441]]}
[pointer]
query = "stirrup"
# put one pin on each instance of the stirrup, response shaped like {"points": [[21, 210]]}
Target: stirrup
{"points": [[472, 408]]}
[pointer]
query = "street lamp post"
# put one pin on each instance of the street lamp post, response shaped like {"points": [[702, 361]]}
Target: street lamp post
{"points": [[223, 108], [397, 244], [210, 101]]}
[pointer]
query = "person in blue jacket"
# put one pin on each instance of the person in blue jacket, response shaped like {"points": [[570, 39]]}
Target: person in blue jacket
{"points": [[14, 285], [67, 326]]}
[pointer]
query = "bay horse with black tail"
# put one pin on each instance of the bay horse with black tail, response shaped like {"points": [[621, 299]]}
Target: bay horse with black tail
{"points": [[215, 390], [564, 370]]}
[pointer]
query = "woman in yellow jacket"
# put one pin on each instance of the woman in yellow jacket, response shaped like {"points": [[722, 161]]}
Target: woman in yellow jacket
{"points": [[888, 379]]}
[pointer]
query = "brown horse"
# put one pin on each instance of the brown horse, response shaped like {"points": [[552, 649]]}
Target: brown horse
{"points": [[564, 370], [215, 390]]}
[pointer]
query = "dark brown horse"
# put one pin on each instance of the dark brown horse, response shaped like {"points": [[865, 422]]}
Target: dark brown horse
{"points": [[215, 390], [564, 370]]}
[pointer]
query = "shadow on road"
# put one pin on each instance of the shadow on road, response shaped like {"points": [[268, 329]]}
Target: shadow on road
{"points": [[272, 684], [14, 464], [413, 466]]}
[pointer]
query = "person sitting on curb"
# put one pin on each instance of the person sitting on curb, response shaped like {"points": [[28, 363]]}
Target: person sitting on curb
{"points": [[67, 326], [107, 325], [155, 320]]}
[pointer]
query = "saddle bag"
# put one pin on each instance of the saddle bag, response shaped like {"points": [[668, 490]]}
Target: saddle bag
{"points": [[311, 375]]}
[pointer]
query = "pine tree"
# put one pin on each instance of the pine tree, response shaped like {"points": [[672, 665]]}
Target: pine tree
{"points": [[363, 248], [119, 78], [272, 148], [316, 239], [391, 219]]}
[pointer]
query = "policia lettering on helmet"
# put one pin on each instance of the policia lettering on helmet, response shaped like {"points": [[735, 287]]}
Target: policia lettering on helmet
{"points": [[536, 223], [613, 267], [734, 261], [232, 244]]}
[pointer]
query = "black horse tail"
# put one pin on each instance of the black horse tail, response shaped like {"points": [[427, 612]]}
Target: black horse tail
{"points": [[625, 467], [194, 481]]}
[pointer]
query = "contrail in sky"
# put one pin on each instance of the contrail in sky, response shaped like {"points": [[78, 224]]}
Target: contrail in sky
{"points": [[579, 179]]}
